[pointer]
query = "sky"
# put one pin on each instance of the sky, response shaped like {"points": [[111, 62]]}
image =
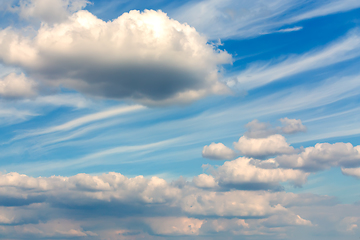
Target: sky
{"points": [[194, 119]]}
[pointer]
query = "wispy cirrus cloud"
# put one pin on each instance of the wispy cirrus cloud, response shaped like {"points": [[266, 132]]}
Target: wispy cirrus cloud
{"points": [[258, 74], [82, 121], [244, 19]]}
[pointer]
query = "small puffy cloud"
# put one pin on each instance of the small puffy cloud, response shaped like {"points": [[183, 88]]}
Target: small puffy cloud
{"points": [[291, 126], [205, 181], [323, 156], [17, 86], [256, 129], [142, 56], [175, 226], [241, 173], [354, 172], [50, 11], [218, 151], [263, 147]]}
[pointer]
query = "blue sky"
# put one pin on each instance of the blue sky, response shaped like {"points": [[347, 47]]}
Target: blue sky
{"points": [[179, 119]]}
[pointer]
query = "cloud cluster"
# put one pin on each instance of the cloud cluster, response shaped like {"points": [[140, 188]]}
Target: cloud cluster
{"points": [[257, 170], [42, 207], [142, 56], [261, 140], [113, 206], [218, 151]]}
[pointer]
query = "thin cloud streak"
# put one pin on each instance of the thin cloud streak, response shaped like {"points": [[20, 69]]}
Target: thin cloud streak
{"points": [[82, 121], [246, 19], [92, 159], [258, 75], [327, 9]]}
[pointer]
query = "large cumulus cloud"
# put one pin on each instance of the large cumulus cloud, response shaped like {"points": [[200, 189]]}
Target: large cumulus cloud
{"points": [[143, 56]]}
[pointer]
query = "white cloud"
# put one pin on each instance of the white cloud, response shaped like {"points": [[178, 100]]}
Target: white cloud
{"points": [[293, 29], [331, 7], [241, 172], [143, 56], [263, 147], [234, 203], [205, 181], [218, 151], [354, 172], [50, 11], [323, 156], [17, 86], [260, 74], [291, 126]]}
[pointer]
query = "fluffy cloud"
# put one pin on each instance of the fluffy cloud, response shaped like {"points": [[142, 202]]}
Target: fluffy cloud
{"points": [[218, 151], [355, 172], [249, 174], [241, 172], [292, 125], [263, 147], [143, 56], [17, 86], [205, 181], [323, 156]]}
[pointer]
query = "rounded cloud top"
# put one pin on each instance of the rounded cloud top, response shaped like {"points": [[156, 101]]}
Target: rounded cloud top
{"points": [[143, 56]]}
